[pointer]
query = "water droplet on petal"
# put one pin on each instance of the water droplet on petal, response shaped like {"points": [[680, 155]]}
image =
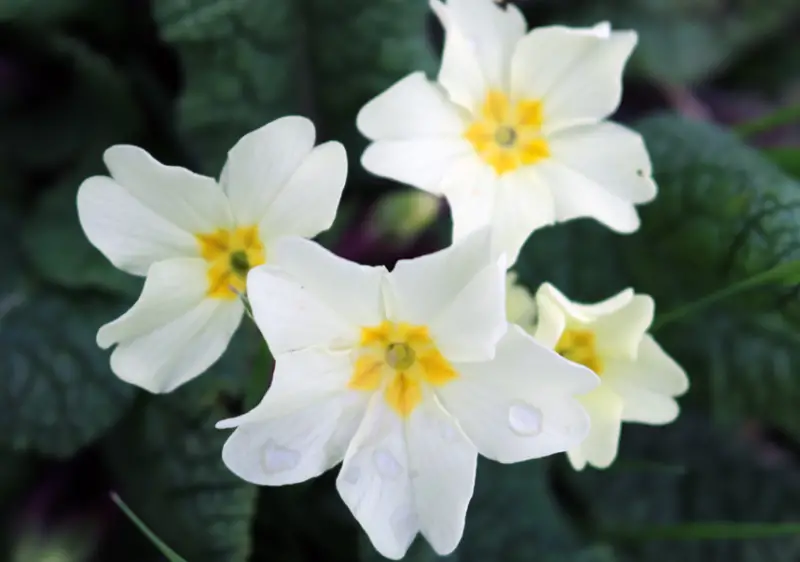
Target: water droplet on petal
{"points": [[278, 459], [387, 465], [524, 419]]}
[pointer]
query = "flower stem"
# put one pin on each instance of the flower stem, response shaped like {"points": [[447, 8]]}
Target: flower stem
{"points": [[162, 547]]}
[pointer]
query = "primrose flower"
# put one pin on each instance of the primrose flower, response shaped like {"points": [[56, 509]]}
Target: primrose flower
{"points": [[405, 376], [513, 133], [638, 380], [196, 239]]}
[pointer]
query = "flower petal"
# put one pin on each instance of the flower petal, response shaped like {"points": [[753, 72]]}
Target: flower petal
{"points": [[412, 108], [583, 313], [311, 297], [522, 205], [424, 164], [444, 462], [551, 320], [173, 333], [610, 155], [262, 162], [421, 289], [482, 32], [600, 447], [128, 233], [577, 196], [577, 73], [470, 189], [375, 481], [648, 384], [319, 178], [192, 202], [520, 405], [303, 425], [620, 333]]}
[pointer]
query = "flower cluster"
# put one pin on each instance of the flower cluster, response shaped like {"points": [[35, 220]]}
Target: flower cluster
{"points": [[404, 376]]}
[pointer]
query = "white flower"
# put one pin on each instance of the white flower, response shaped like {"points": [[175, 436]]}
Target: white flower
{"points": [[638, 380], [196, 239], [513, 133], [405, 376]]}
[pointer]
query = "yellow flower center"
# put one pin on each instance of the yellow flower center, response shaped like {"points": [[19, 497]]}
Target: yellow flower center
{"points": [[230, 255], [508, 135], [402, 356], [579, 346]]}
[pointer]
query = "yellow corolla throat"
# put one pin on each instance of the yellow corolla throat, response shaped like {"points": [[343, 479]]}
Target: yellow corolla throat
{"points": [[508, 135], [580, 346], [403, 358], [230, 255]]}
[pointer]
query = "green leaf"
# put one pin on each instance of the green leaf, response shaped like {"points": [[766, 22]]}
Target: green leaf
{"points": [[724, 214], [725, 480], [95, 109], [166, 464], [247, 62], [59, 393], [38, 11], [785, 157], [56, 246], [685, 42]]}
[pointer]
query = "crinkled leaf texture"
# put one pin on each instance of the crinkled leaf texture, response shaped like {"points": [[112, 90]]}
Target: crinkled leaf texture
{"points": [[692, 472], [247, 62], [58, 393], [166, 465], [724, 213]]}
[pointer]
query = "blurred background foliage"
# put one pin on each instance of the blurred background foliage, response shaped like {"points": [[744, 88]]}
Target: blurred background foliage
{"points": [[186, 78]]}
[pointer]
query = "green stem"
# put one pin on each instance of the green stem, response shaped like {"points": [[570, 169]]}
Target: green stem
{"points": [[170, 554], [719, 530], [776, 273], [779, 117]]}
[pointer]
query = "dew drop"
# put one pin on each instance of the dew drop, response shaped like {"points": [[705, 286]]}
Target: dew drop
{"points": [[524, 419], [387, 465], [278, 459]]}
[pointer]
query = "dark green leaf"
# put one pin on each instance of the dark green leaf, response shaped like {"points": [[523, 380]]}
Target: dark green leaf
{"points": [[59, 393], [95, 109], [724, 480], [685, 42], [248, 62], [787, 158], [56, 246], [167, 466], [38, 11]]}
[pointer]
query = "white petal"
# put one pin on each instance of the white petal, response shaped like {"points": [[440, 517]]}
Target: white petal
{"points": [[375, 481], [261, 163], [303, 425], [443, 463], [583, 313], [577, 196], [311, 297], [648, 384], [191, 202], [127, 232], [424, 163], [610, 155], [520, 405], [306, 205], [477, 31], [423, 288], [522, 205], [173, 333], [412, 108], [469, 328], [620, 333], [551, 320], [600, 447], [577, 73], [470, 188]]}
